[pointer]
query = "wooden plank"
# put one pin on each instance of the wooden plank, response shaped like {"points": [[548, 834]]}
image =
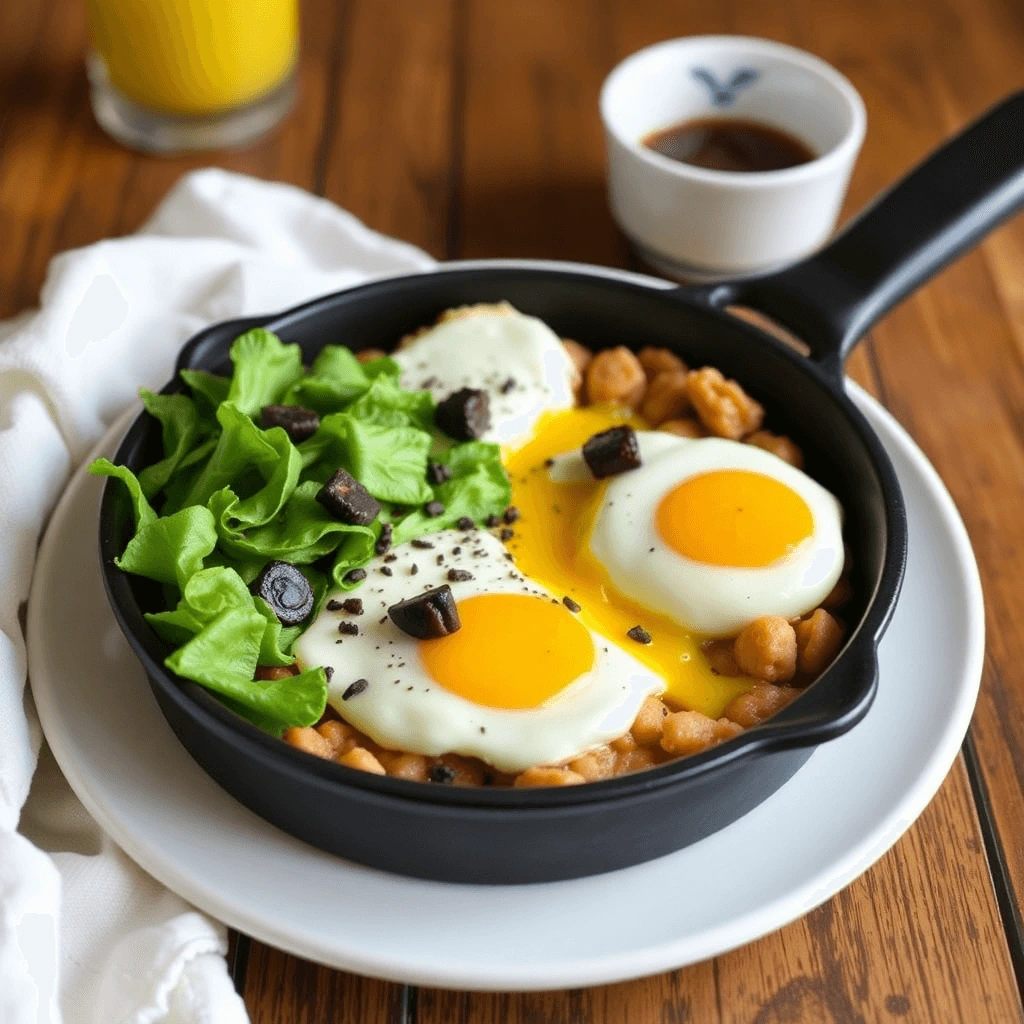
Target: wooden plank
{"points": [[533, 178], [974, 350], [389, 141], [282, 989]]}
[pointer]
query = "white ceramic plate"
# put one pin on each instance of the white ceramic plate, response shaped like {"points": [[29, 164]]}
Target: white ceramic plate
{"points": [[837, 815]]}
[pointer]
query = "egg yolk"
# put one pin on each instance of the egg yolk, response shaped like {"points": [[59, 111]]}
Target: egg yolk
{"points": [[551, 545], [512, 651], [733, 517]]}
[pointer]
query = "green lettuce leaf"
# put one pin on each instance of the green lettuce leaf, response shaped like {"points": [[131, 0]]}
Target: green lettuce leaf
{"points": [[223, 657], [335, 379], [385, 366], [241, 447], [386, 404], [302, 533], [207, 388], [168, 549], [390, 461], [144, 514], [265, 368], [181, 427], [479, 487], [171, 549]]}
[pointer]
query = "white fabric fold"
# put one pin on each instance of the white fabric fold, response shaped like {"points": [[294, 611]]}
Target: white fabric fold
{"points": [[86, 937]]}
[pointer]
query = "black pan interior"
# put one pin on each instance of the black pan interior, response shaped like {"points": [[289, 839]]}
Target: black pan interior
{"points": [[603, 311]]}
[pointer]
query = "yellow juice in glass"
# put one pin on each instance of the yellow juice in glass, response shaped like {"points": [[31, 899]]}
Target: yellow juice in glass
{"points": [[190, 59]]}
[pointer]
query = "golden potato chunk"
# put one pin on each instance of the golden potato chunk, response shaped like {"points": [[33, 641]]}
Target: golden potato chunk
{"points": [[649, 722], [308, 739], [766, 649], [685, 427], [721, 657], [547, 777], [667, 398], [595, 764], [690, 732], [818, 638], [759, 703], [404, 766], [778, 444], [361, 758], [722, 405], [659, 360], [616, 376]]}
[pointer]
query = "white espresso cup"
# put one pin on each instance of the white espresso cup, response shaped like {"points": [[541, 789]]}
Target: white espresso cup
{"points": [[701, 224]]}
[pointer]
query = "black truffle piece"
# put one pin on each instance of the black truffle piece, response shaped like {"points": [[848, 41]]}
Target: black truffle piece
{"points": [[433, 508], [353, 605], [348, 500], [353, 689], [464, 415], [639, 634], [298, 422], [465, 523], [286, 590], [438, 472], [427, 616], [612, 452], [355, 575], [491, 521], [507, 385], [507, 533], [511, 515], [570, 604], [459, 575], [419, 542], [442, 774], [383, 543], [348, 629]]}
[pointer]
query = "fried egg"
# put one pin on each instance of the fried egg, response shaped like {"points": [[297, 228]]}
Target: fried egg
{"points": [[523, 682], [592, 540], [518, 360], [715, 533]]}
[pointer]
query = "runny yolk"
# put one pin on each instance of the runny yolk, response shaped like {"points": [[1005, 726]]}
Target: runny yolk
{"points": [[733, 517], [512, 651], [552, 546]]}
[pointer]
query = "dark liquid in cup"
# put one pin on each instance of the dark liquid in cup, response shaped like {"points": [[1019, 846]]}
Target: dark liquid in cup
{"points": [[729, 144]]}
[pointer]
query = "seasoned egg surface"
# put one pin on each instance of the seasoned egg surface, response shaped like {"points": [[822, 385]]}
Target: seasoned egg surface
{"points": [[558, 501], [523, 682], [518, 360], [716, 533]]}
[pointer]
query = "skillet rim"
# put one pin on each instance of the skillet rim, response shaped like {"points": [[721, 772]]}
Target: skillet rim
{"points": [[791, 728]]}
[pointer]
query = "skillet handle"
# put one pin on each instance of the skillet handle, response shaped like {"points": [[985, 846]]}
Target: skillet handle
{"points": [[942, 208]]}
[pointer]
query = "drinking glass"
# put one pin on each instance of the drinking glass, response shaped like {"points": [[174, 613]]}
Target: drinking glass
{"points": [[172, 75]]}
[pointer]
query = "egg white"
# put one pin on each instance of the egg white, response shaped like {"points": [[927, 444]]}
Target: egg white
{"points": [[418, 715], [485, 349], [714, 600]]}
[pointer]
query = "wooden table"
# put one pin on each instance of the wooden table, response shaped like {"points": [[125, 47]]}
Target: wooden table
{"points": [[470, 127]]}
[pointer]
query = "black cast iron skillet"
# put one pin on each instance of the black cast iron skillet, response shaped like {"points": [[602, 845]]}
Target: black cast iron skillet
{"points": [[502, 836]]}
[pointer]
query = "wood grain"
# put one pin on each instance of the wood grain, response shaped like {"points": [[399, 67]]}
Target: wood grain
{"points": [[469, 127], [282, 989]]}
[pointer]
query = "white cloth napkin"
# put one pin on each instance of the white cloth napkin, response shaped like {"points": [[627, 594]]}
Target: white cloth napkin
{"points": [[85, 936]]}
